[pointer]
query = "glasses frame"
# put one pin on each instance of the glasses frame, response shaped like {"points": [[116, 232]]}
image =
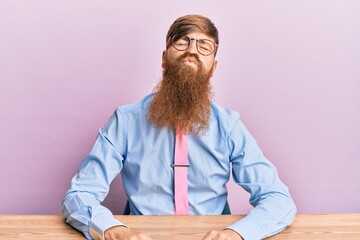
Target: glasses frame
{"points": [[191, 41]]}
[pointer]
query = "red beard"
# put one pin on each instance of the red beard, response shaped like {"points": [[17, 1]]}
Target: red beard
{"points": [[183, 97]]}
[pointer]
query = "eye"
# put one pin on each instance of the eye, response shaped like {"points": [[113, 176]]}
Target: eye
{"points": [[182, 41], [204, 45]]}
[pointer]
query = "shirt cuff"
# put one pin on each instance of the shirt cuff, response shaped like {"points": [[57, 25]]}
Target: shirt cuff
{"points": [[101, 223], [248, 229]]}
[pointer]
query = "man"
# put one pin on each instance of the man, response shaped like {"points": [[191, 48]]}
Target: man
{"points": [[144, 142]]}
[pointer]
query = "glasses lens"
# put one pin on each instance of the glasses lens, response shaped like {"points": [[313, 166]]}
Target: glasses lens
{"points": [[181, 43], [205, 47]]}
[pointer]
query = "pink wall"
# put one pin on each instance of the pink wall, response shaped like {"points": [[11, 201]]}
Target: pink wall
{"points": [[292, 68]]}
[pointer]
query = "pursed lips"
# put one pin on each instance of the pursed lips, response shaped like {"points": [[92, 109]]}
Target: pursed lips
{"points": [[189, 60]]}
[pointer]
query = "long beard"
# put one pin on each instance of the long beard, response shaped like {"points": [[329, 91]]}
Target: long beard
{"points": [[183, 98]]}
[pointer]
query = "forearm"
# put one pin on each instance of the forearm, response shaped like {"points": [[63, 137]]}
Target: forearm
{"points": [[85, 213], [270, 216]]}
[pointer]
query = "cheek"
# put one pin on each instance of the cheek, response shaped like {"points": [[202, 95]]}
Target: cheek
{"points": [[207, 64], [171, 55]]}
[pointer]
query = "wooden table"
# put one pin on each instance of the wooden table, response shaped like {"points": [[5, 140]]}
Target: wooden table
{"points": [[320, 227]]}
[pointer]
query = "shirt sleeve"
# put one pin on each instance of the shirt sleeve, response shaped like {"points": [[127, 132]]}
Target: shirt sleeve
{"points": [[82, 203], [274, 208]]}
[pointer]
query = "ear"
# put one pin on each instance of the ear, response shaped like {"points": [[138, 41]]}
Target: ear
{"points": [[163, 59], [214, 67]]}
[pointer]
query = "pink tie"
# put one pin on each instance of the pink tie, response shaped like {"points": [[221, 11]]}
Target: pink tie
{"points": [[180, 174]]}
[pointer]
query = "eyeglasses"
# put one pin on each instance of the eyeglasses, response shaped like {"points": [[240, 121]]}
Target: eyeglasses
{"points": [[204, 46]]}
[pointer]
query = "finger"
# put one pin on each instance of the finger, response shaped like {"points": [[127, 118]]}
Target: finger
{"points": [[227, 235], [210, 235], [141, 236]]}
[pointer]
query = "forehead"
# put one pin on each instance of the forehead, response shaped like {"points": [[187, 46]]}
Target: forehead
{"points": [[199, 35]]}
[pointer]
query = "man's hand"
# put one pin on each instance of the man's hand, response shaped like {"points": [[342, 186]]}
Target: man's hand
{"points": [[226, 234], [124, 233]]}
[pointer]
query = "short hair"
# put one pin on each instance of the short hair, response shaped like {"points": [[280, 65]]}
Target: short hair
{"points": [[189, 23]]}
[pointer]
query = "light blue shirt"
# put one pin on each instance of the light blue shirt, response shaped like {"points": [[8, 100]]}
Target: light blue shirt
{"points": [[128, 144]]}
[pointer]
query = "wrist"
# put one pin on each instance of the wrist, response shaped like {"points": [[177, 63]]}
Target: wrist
{"points": [[120, 230], [235, 235]]}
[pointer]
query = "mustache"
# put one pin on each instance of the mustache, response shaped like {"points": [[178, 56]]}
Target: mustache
{"points": [[188, 55]]}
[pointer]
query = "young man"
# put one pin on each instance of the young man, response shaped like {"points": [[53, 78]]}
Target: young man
{"points": [[174, 150]]}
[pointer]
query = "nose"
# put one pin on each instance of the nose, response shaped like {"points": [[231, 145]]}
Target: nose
{"points": [[192, 48]]}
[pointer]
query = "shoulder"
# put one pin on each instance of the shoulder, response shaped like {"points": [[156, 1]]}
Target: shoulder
{"points": [[224, 114], [224, 119], [134, 111], [118, 122], [139, 106]]}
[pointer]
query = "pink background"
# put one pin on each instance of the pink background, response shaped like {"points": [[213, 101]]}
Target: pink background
{"points": [[291, 68]]}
